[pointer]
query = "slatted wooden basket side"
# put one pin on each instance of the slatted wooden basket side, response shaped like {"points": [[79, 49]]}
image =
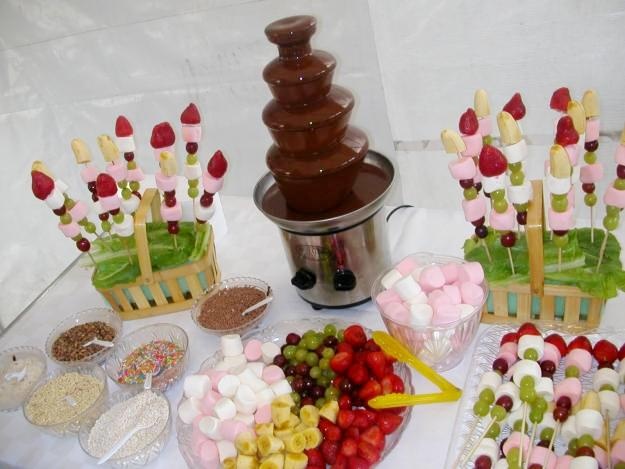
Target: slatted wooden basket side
{"points": [[537, 301], [166, 291]]}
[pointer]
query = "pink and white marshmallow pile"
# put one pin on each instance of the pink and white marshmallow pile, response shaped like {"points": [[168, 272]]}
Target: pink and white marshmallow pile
{"points": [[436, 294], [231, 398]]}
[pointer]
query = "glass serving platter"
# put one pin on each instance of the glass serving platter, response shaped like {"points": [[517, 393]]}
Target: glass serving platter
{"points": [[465, 433]]}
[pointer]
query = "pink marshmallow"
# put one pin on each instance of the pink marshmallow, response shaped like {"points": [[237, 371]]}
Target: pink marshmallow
{"points": [[622, 400], [79, 211], [117, 171], [573, 152], [618, 452], [471, 293], [473, 144], [212, 184], [485, 125], [135, 175], [600, 456], [229, 429], [509, 347], [510, 358], [570, 197], [503, 221], [437, 299], [614, 197], [208, 402], [579, 358], [551, 353], [263, 414], [209, 455], [561, 220], [109, 203], [406, 266], [252, 350], [569, 387], [272, 374], [592, 129], [462, 168], [431, 278], [453, 293], [171, 213], [564, 461], [478, 175], [514, 441], [197, 437], [591, 173], [619, 154], [70, 230], [165, 183], [397, 312], [450, 272], [386, 297], [540, 454], [474, 209], [446, 313], [89, 173], [191, 132], [471, 272]]}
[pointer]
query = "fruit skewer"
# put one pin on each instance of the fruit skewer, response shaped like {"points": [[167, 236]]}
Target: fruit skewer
{"points": [[482, 111], [192, 134], [166, 181], [119, 172], [213, 181], [592, 171], [469, 126], [560, 214], [124, 134]]}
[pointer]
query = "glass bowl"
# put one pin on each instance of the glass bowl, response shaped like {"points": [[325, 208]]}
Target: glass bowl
{"points": [[441, 347], [235, 282], [277, 333], [142, 456], [105, 315], [71, 423], [20, 370], [163, 375]]}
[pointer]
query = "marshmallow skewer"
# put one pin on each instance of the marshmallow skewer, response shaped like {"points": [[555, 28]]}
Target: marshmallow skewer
{"points": [[134, 175], [166, 181], [560, 213], [213, 181], [482, 111], [592, 172], [192, 134], [124, 227]]}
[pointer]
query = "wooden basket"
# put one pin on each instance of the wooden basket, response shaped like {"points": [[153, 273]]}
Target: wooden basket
{"points": [[165, 291], [537, 301]]}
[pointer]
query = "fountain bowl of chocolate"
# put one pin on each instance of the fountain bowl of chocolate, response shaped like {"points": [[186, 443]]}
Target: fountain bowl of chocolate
{"points": [[220, 309]]}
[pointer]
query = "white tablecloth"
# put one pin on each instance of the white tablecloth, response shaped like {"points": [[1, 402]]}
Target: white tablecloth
{"points": [[252, 248]]}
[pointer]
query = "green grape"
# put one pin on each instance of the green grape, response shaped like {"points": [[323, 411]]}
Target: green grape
{"points": [[487, 139], [126, 193], [312, 359], [498, 413], [619, 184], [522, 207], [560, 241], [106, 225], [309, 332], [323, 381], [536, 416], [296, 397], [528, 395], [481, 408], [571, 372], [546, 434], [328, 353], [134, 185], [494, 431], [540, 404], [66, 218], [290, 379], [516, 179], [315, 372], [90, 227], [590, 199], [612, 211], [191, 158], [585, 440], [328, 373], [499, 194], [295, 409], [300, 354], [293, 361], [320, 402], [193, 182], [500, 205], [517, 425], [329, 329], [531, 354], [513, 456], [289, 352], [607, 387], [313, 342], [193, 192], [515, 167], [619, 465], [324, 363], [590, 157], [559, 204], [487, 395], [121, 184], [339, 335], [527, 382], [331, 393], [118, 217], [573, 445], [470, 193], [610, 223], [132, 165]]}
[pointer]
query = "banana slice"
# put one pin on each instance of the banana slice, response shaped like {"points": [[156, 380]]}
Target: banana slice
{"points": [[590, 400], [508, 129], [309, 414], [559, 163], [280, 414], [42, 168], [167, 162], [269, 444], [296, 443], [285, 399], [295, 461], [108, 148], [590, 101], [480, 103], [246, 462], [330, 410], [283, 433], [619, 432], [229, 463], [294, 421], [452, 142], [245, 443], [300, 427], [623, 137], [313, 437], [274, 461], [264, 429], [81, 151], [575, 110]]}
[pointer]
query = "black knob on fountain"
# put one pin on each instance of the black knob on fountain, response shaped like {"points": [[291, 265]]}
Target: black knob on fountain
{"points": [[304, 279], [344, 280]]}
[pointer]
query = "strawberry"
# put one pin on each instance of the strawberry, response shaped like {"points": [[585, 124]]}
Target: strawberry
{"points": [[492, 162], [355, 336], [605, 352], [371, 346], [354, 432], [341, 362], [162, 135], [388, 422], [362, 419], [344, 347], [315, 458], [356, 462], [374, 436], [368, 452], [369, 390], [332, 432], [357, 373], [565, 132], [560, 99], [581, 341], [341, 462], [509, 337], [558, 341], [515, 107], [527, 328], [349, 447], [217, 165], [330, 450], [376, 362], [42, 184], [190, 115], [468, 124], [392, 383], [105, 185], [345, 418], [123, 127], [345, 402], [621, 352]]}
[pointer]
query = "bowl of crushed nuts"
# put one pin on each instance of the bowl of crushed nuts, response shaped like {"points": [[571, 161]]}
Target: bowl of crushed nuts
{"points": [[85, 337]]}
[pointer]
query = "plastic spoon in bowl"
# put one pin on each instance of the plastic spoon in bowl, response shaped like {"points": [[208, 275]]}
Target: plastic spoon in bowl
{"points": [[101, 343], [389, 401], [16, 375], [267, 300]]}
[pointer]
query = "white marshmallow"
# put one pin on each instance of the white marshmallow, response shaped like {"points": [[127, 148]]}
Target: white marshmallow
{"points": [[524, 368], [466, 310], [62, 186], [226, 449], [265, 397], [209, 426], [196, 386], [516, 152], [489, 380], [519, 194], [202, 213], [589, 421], [584, 462], [558, 186], [621, 370], [511, 390], [125, 144], [605, 376], [487, 447], [421, 315], [281, 387], [245, 400], [257, 368], [249, 378], [269, 351], [516, 415], [97, 207], [544, 388], [228, 385], [568, 430], [390, 279], [407, 288], [527, 342], [221, 366], [419, 299], [547, 422], [125, 228], [189, 409], [55, 199], [575, 173], [225, 409], [501, 464], [192, 171], [231, 345], [493, 183], [247, 419], [236, 364], [416, 273], [131, 205], [610, 403]]}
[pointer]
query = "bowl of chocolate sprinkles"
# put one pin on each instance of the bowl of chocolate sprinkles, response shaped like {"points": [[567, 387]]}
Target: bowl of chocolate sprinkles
{"points": [[219, 310]]}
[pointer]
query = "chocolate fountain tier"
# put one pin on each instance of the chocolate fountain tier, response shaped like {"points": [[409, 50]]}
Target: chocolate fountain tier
{"points": [[319, 183], [310, 129]]}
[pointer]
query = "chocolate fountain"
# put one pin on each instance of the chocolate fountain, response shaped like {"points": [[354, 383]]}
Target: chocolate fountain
{"points": [[325, 189]]}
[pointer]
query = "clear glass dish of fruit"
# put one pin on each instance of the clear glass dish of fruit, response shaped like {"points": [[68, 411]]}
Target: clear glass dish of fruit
{"points": [[331, 365]]}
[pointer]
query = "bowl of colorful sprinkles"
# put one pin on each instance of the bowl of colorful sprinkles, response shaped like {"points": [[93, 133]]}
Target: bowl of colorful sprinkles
{"points": [[160, 349], [60, 401]]}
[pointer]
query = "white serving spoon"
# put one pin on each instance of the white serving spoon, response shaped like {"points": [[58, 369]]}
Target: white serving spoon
{"points": [[267, 300], [101, 343]]}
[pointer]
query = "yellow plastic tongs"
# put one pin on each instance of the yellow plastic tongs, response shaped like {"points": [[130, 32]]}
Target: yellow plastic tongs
{"points": [[395, 349]]}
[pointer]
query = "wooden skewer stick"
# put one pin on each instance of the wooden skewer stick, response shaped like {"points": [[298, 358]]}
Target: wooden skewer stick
{"points": [[125, 241], [560, 171], [477, 421], [592, 226], [490, 258], [477, 444], [511, 261], [175, 241], [531, 445], [559, 259], [522, 433], [608, 444], [604, 243], [551, 443], [92, 259]]}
